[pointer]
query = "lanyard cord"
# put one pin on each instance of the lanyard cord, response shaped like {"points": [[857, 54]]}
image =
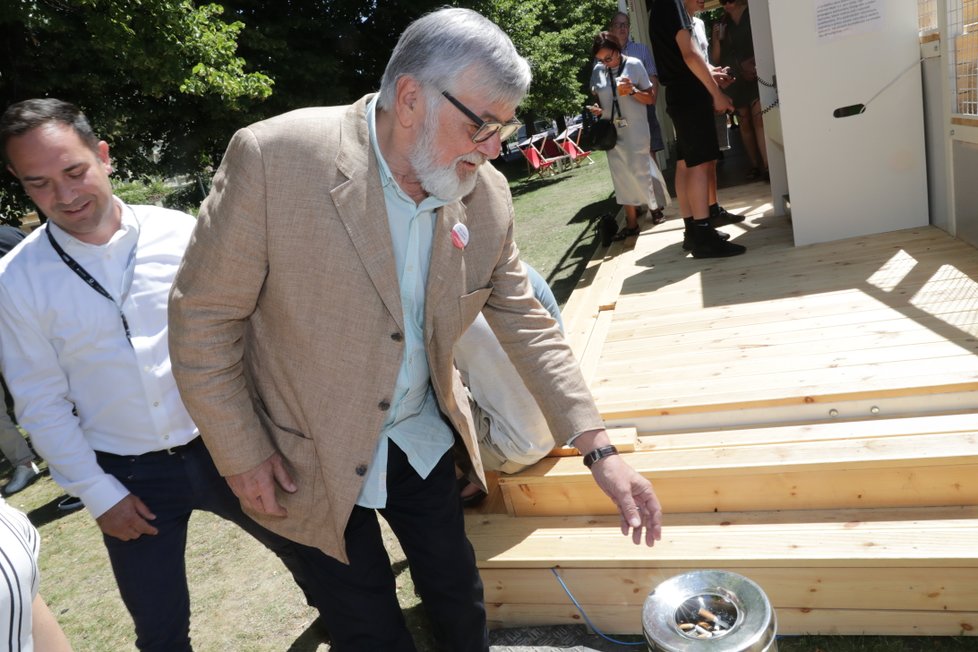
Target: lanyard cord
{"points": [[614, 90], [83, 274]]}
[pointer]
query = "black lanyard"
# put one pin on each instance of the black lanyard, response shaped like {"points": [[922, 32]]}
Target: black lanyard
{"points": [[83, 274], [614, 89]]}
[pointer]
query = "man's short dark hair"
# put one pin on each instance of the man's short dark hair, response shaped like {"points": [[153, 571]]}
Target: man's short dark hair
{"points": [[24, 116]]}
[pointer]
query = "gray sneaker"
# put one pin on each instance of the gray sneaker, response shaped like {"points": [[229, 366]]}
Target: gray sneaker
{"points": [[70, 504], [22, 476]]}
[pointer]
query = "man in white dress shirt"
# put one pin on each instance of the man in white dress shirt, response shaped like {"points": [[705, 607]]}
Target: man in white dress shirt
{"points": [[83, 336]]}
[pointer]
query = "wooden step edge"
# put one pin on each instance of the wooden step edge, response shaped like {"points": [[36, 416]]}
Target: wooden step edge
{"points": [[802, 431], [938, 537], [620, 412], [853, 455], [617, 620]]}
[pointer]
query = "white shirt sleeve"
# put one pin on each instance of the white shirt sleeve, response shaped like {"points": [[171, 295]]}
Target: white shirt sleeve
{"points": [[40, 390]]}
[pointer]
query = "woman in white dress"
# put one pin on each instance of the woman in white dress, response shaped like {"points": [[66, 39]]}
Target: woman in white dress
{"points": [[633, 170]]}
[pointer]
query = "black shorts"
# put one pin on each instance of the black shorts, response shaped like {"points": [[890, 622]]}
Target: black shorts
{"points": [[691, 109]]}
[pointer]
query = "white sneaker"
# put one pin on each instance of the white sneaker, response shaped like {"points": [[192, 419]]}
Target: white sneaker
{"points": [[22, 476]]}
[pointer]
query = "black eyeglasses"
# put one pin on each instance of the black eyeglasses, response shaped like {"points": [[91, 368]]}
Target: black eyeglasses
{"points": [[485, 130], [608, 59], [727, 2], [617, 25]]}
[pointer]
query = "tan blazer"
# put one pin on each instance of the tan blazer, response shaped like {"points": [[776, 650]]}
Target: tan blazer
{"points": [[286, 323]]}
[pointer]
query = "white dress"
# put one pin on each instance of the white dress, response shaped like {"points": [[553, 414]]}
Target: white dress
{"points": [[633, 171], [19, 578]]}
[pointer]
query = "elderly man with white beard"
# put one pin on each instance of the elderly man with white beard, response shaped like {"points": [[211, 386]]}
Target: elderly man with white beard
{"points": [[339, 257]]}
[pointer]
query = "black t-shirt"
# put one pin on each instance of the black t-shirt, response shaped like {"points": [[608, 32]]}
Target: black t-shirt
{"points": [[666, 19]]}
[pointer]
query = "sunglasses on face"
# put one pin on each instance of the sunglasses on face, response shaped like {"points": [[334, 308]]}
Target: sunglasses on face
{"points": [[608, 59], [485, 129], [727, 2]]}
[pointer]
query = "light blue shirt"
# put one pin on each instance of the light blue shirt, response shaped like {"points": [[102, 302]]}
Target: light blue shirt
{"points": [[413, 421]]}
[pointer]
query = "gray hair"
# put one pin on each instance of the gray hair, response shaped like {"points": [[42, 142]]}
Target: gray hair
{"points": [[439, 47]]}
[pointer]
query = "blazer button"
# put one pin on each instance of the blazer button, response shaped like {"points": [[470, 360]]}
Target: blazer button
{"points": [[397, 337], [361, 470], [384, 405]]}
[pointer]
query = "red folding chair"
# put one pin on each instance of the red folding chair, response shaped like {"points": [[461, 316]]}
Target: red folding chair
{"points": [[576, 154], [535, 162], [552, 151]]}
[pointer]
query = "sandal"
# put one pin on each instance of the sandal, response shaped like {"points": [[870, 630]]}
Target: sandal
{"points": [[658, 217], [754, 174], [627, 232]]}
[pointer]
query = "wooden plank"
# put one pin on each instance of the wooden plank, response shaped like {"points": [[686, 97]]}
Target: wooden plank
{"points": [[910, 486], [918, 537], [810, 432], [591, 358], [850, 453], [837, 310], [918, 589], [616, 620], [652, 396]]}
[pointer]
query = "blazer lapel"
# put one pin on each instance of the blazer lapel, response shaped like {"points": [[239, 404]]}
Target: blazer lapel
{"points": [[360, 205], [447, 263]]}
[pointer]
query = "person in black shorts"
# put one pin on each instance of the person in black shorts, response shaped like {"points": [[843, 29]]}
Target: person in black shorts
{"points": [[692, 98]]}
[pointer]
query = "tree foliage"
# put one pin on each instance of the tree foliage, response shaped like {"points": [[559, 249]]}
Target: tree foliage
{"points": [[166, 82], [556, 37], [160, 80]]}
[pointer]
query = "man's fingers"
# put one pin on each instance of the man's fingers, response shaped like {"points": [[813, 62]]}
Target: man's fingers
{"points": [[282, 476], [271, 506]]}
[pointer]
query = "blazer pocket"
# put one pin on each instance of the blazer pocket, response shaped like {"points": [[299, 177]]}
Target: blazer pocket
{"points": [[299, 454], [470, 305]]}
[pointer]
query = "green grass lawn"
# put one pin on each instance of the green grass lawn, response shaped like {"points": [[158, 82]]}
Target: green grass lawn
{"points": [[556, 216], [242, 597]]}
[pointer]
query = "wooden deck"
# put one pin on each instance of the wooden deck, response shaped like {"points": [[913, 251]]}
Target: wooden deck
{"points": [[807, 415]]}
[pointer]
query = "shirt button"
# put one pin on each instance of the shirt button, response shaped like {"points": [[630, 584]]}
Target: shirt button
{"points": [[384, 405], [361, 470], [166, 437], [156, 403], [397, 337]]}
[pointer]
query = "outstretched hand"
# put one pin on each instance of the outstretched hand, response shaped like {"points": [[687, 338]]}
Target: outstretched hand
{"points": [[256, 488], [633, 494]]}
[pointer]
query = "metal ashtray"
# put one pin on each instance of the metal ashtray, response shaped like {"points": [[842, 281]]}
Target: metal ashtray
{"points": [[709, 611]]}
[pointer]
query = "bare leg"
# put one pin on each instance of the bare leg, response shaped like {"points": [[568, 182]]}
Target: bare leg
{"points": [[631, 217], [713, 182], [747, 135], [758, 124]]}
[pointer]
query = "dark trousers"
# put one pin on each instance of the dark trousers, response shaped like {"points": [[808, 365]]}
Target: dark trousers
{"points": [[150, 570], [362, 612]]}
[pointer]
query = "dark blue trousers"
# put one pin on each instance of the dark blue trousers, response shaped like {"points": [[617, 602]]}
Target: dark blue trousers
{"points": [[150, 570], [361, 609]]}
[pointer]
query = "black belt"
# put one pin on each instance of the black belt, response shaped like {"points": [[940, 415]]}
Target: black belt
{"points": [[175, 450]]}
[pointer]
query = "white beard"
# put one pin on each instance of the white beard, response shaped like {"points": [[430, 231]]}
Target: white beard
{"points": [[442, 182]]}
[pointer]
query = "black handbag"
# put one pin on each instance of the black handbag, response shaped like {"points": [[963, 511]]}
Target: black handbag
{"points": [[604, 134]]}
